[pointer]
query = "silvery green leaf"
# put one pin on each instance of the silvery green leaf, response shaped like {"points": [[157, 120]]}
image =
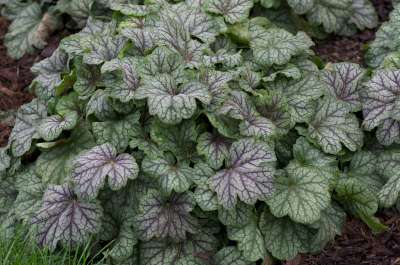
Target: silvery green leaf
{"points": [[30, 194], [172, 176], [8, 194], [30, 29], [88, 77], [74, 44], [25, 126], [102, 48], [273, 106], [5, 159], [332, 125], [140, 139], [249, 79], [195, 21], [284, 239], [248, 174], [127, 239], [302, 195], [49, 72], [233, 11], [288, 71], [332, 15], [300, 95], [163, 217], [172, 33], [388, 132], [91, 168], [238, 216], [329, 226], [239, 106], [311, 158], [179, 139], [167, 252], [217, 84], [230, 256], [139, 32], [214, 147], [99, 104], [385, 41], [226, 58], [191, 260], [130, 9], [388, 166], [380, 98], [124, 84], [202, 173], [225, 125], [79, 10], [364, 167], [116, 132], [66, 219], [278, 46], [356, 197], [162, 61], [343, 81], [301, 6], [250, 240], [364, 14], [55, 166], [51, 127], [170, 101], [206, 199]]}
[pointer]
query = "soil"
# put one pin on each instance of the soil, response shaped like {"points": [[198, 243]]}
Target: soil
{"points": [[351, 49], [15, 76], [359, 246]]}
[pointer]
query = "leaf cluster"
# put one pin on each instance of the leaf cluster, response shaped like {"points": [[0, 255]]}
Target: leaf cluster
{"points": [[199, 132]]}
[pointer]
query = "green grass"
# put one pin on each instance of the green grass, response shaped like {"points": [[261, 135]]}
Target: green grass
{"points": [[22, 251]]}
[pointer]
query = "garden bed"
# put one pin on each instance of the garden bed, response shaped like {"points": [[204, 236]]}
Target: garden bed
{"points": [[356, 245]]}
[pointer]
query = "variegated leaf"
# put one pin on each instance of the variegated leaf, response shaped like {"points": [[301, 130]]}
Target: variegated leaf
{"points": [[25, 129], [233, 11], [343, 81], [66, 219], [248, 174], [170, 101], [332, 125], [91, 168], [163, 217], [51, 127]]}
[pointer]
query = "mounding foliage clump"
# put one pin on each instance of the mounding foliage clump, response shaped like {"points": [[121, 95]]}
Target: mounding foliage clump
{"points": [[200, 132]]}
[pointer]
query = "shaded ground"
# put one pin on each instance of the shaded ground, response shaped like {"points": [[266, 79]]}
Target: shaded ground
{"points": [[15, 76], [350, 49], [359, 246]]}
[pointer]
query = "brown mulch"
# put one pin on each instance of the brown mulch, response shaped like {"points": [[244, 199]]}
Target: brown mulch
{"points": [[359, 246], [351, 49], [15, 76]]}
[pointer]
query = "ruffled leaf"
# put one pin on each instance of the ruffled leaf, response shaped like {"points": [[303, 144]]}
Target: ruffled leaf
{"points": [[163, 217], [66, 219], [233, 11], [170, 101], [343, 81], [91, 168], [24, 129], [332, 125], [51, 127], [302, 195], [248, 174], [277, 46]]}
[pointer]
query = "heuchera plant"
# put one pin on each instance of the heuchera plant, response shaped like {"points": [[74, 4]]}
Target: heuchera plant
{"points": [[198, 133]]}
